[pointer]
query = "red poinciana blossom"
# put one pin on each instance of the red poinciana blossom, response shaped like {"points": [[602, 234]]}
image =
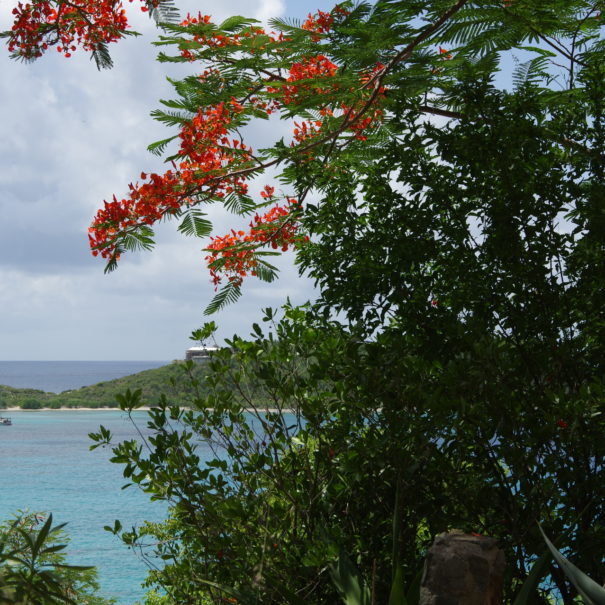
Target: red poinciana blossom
{"points": [[215, 165], [216, 39], [321, 23], [306, 77], [446, 54], [40, 24], [306, 73], [207, 153], [236, 251]]}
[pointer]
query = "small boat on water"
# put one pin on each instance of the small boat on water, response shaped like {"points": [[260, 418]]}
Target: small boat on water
{"points": [[5, 421]]}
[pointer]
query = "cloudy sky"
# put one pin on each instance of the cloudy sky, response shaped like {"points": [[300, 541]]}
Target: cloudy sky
{"points": [[72, 136]]}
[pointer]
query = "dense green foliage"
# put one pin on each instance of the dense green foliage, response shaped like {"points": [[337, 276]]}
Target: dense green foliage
{"points": [[460, 241], [462, 244], [152, 384]]}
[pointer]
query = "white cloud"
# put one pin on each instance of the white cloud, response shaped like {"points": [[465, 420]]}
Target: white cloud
{"points": [[73, 136], [269, 9]]}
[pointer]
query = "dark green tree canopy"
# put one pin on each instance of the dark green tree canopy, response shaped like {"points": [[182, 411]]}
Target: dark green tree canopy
{"points": [[444, 187]]}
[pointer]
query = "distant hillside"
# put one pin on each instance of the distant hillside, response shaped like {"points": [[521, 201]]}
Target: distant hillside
{"points": [[152, 382]]}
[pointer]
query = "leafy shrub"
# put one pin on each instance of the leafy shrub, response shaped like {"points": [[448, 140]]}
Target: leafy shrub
{"points": [[31, 404]]}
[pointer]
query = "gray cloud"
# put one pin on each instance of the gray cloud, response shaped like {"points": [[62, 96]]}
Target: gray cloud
{"points": [[72, 136]]}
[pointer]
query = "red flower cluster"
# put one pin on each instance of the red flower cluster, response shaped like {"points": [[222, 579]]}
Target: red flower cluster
{"points": [[312, 69], [86, 23], [445, 53], [215, 39], [306, 129], [207, 152], [236, 250], [320, 66], [308, 69], [361, 125], [189, 20], [211, 160], [321, 23], [268, 106]]}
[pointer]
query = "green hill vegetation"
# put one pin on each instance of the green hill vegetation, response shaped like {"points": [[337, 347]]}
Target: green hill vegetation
{"points": [[151, 382]]}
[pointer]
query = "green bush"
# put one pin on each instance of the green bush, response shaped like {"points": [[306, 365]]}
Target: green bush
{"points": [[31, 404], [464, 386]]}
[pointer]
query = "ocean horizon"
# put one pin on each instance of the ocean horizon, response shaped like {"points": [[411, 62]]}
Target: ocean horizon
{"points": [[59, 376]]}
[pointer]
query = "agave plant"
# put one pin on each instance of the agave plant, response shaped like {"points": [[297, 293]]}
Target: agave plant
{"points": [[587, 588]]}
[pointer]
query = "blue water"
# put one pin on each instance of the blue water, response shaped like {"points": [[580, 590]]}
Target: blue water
{"points": [[47, 466], [58, 376]]}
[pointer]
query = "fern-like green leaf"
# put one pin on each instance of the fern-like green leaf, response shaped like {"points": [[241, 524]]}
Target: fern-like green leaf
{"points": [[159, 147], [239, 204], [138, 240], [195, 224], [164, 12], [286, 24], [530, 72], [226, 296], [236, 23], [100, 55], [112, 263], [170, 118], [265, 271]]}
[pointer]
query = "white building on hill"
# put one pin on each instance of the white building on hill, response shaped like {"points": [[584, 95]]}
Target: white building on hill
{"points": [[200, 354]]}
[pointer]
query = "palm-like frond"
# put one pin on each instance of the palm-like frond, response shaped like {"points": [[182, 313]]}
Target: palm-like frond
{"points": [[194, 223], [164, 13], [228, 294]]}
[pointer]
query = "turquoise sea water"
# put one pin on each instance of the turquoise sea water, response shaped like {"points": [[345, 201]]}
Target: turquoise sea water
{"points": [[46, 465]]}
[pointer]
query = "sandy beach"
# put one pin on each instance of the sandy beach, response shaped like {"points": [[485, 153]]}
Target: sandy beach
{"points": [[141, 409], [80, 409]]}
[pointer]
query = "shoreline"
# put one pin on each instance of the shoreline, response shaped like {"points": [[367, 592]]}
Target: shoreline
{"points": [[68, 409], [144, 408]]}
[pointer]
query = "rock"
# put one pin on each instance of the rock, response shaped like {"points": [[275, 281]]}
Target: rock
{"points": [[463, 569]]}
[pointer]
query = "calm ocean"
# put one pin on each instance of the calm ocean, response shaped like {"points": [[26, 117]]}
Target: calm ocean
{"points": [[47, 466], [58, 376]]}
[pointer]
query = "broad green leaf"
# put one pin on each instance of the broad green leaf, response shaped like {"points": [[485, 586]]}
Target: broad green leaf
{"points": [[538, 571], [346, 579], [397, 594]]}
